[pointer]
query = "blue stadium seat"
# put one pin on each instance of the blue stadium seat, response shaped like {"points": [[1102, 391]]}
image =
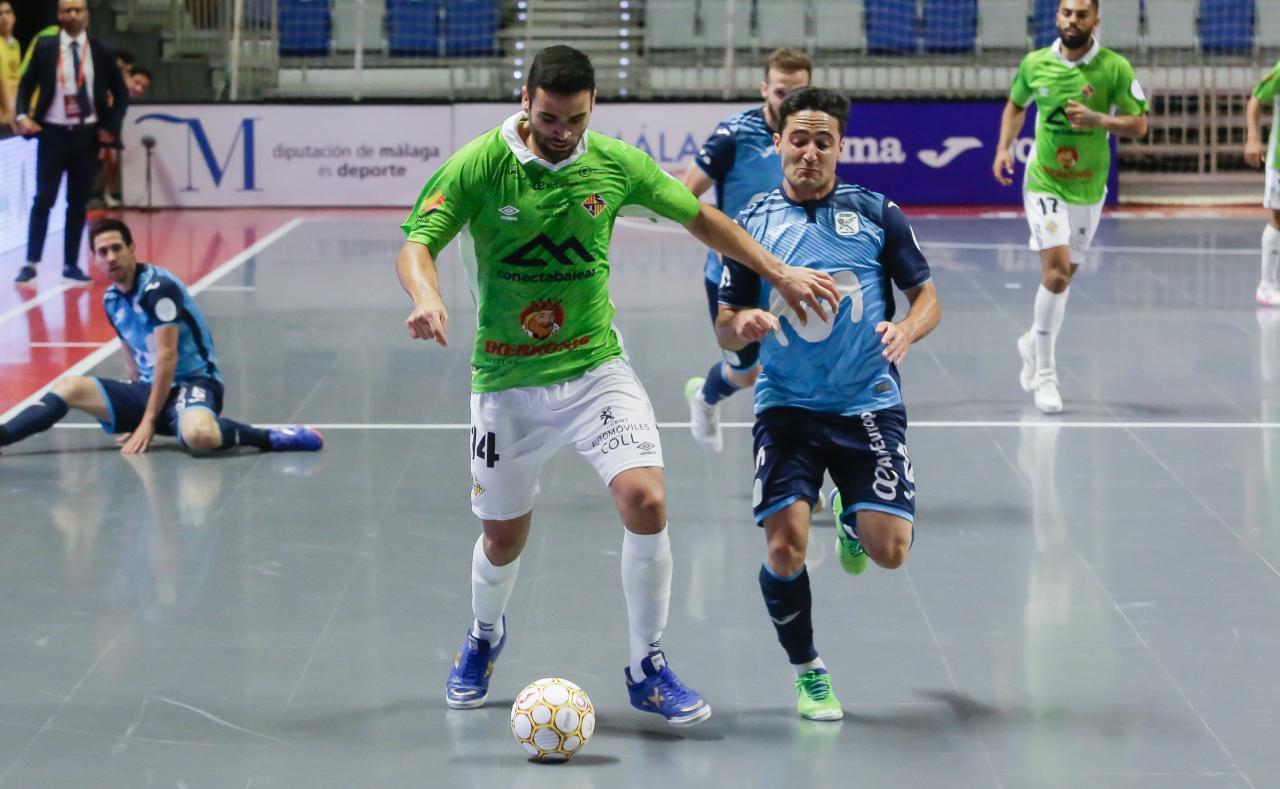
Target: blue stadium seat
{"points": [[1226, 27], [304, 27], [950, 26], [1044, 24], [413, 27], [470, 27], [891, 27]]}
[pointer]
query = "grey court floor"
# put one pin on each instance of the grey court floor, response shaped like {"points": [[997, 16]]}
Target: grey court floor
{"points": [[1092, 600]]}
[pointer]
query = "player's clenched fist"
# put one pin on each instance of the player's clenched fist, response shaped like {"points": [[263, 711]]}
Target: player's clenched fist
{"points": [[428, 323], [754, 325]]}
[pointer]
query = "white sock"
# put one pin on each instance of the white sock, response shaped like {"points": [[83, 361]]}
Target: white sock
{"points": [[1270, 254], [812, 665], [646, 583], [1050, 309], [490, 589]]}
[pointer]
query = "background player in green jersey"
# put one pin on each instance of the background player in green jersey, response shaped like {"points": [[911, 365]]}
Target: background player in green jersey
{"points": [[1256, 155], [1077, 85], [539, 195]]}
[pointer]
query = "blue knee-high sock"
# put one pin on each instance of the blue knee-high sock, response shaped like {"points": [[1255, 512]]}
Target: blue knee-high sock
{"points": [[238, 434], [34, 419], [790, 607], [717, 387]]}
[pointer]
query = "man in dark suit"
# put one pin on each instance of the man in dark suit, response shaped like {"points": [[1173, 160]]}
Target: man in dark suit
{"points": [[81, 106]]}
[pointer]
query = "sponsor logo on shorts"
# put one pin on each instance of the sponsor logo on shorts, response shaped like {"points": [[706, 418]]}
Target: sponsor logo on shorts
{"points": [[542, 319], [622, 433], [606, 415], [477, 490], [885, 483], [495, 348]]}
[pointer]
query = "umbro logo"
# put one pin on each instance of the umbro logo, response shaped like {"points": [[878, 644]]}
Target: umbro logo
{"points": [[508, 212]]}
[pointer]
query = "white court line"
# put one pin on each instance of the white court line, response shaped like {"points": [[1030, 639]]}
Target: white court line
{"points": [[746, 425], [64, 344], [27, 306], [93, 359], [232, 288]]}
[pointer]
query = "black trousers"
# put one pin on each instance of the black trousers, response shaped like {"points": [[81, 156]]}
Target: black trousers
{"points": [[70, 150]]}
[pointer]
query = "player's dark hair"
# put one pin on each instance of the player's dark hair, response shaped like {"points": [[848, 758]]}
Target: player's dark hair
{"points": [[561, 70], [108, 225], [125, 57], [142, 71], [818, 99]]}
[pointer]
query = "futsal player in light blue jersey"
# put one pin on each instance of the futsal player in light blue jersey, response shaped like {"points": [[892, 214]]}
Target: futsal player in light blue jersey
{"points": [[739, 159], [828, 396], [174, 387]]}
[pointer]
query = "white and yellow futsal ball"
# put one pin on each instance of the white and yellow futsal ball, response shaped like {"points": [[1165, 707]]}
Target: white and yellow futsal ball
{"points": [[552, 719]]}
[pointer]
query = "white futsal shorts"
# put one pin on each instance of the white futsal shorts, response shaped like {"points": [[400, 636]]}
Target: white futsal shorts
{"points": [[1056, 223], [1272, 197], [605, 415]]}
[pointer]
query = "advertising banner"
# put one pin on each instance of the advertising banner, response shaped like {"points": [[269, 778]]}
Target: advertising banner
{"points": [[934, 153], [281, 155], [18, 189], [917, 153]]}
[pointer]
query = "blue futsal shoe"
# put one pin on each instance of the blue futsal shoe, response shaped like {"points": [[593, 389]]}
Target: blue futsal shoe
{"points": [[298, 438], [468, 683], [661, 691]]}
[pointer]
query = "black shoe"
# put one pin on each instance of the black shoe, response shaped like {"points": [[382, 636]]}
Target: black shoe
{"points": [[75, 275], [25, 274]]}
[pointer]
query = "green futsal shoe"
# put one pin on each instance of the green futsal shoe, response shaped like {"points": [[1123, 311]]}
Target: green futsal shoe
{"points": [[852, 558], [817, 702]]}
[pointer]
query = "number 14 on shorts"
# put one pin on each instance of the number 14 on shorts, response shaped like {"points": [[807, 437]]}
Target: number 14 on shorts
{"points": [[485, 447]]}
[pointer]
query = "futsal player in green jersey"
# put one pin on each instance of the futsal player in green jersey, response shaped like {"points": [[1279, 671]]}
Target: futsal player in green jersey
{"points": [[1268, 293], [538, 196], [1083, 93]]}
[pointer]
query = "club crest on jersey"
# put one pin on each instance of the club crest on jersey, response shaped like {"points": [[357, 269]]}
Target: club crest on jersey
{"points": [[430, 203], [847, 223], [594, 204], [1067, 157], [1087, 91], [542, 319]]}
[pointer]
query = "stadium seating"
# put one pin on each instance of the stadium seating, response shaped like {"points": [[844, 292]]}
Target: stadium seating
{"points": [[470, 27], [891, 27], [1121, 25], [714, 13], [1002, 24], [781, 24], [950, 26], [304, 27], [1174, 27], [838, 25], [413, 27], [1226, 27], [1044, 26], [670, 25]]}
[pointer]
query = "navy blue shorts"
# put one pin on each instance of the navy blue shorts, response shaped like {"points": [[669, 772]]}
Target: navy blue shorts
{"points": [[744, 359], [127, 402], [866, 456]]}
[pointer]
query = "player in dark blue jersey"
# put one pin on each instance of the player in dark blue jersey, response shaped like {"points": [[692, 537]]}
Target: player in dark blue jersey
{"points": [[739, 159], [828, 395], [174, 386]]}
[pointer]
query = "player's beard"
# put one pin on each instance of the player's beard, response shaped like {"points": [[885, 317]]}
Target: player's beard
{"points": [[553, 154], [1074, 41]]}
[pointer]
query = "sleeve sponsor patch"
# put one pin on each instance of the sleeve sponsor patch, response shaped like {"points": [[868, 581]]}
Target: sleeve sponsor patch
{"points": [[166, 310], [1135, 89]]}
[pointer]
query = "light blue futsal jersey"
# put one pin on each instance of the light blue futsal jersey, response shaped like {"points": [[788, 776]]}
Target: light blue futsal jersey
{"points": [[158, 298], [739, 156], [864, 242]]}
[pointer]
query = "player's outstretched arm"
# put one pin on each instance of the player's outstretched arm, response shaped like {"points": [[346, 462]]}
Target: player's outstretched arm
{"points": [[922, 317], [139, 440], [1254, 150], [737, 328], [1011, 121], [697, 181], [802, 288], [418, 277]]}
